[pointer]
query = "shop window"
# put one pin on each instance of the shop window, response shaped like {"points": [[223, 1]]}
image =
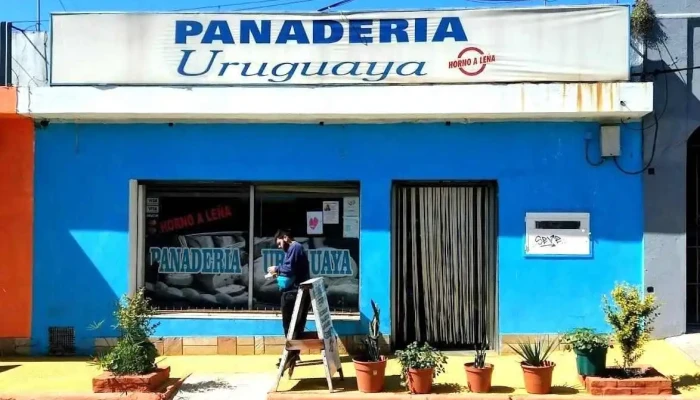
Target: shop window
{"points": [[196, 248], [196, 243]]}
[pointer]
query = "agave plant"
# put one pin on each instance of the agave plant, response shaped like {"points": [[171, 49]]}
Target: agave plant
{"points": [[535, 354], [480, 355], [371, 342]]}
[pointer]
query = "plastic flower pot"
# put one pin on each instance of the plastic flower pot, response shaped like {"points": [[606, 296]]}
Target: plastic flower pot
{"points": [[420, 381], [370, 375], [538, 380], [479, 379], [592, 362]]}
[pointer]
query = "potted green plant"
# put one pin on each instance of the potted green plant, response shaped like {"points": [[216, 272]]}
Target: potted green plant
{"points": [[370, 367], [479, 373], [591, 349], [419, 365], [537, 369]]}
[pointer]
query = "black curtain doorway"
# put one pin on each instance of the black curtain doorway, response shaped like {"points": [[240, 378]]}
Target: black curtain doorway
{"points": [[444, 245]]}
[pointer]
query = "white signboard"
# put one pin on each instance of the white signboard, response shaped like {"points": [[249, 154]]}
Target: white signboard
{"points": [[580, 44], [324, 326], [557, 234], [316, 289]]}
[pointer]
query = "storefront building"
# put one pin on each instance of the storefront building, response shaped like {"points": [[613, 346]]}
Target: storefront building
{"points": [[403, 149]]}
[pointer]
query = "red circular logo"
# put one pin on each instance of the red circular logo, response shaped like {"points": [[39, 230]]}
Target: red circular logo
{"points": [[472, 61]]}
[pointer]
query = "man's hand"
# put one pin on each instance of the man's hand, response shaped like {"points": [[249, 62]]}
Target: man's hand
{"points": [[272, 270]]}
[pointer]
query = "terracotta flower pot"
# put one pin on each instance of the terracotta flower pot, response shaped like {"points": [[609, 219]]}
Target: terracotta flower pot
{"points": [[538, 380], [420, 381], [370, 375], [479, 379]]}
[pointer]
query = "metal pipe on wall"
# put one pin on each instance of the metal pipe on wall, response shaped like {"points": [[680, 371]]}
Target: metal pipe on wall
{"points": [[38, 15]]}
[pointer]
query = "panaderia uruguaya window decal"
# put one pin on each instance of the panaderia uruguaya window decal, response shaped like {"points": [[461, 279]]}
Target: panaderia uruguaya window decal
{"points": [[198, 251]]}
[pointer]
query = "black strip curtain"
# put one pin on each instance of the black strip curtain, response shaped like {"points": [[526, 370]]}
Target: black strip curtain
{"points": [[445, 265]]}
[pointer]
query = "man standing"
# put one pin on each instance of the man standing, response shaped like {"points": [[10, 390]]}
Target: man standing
{"points": [[290, 274]]}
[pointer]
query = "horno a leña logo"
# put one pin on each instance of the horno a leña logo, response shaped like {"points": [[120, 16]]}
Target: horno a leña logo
{"points": [[472, 61]]}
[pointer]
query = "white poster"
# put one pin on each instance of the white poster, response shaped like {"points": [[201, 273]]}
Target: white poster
{"points": [[314, 223], [535, 44], [351, 227], [351, 207], [330, 212]]}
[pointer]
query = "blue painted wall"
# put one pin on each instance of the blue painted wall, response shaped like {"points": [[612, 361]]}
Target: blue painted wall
{"points": [[81, 221]]}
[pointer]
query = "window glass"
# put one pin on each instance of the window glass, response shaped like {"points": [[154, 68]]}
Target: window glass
{"points": [[332, 247], [197, 248]]}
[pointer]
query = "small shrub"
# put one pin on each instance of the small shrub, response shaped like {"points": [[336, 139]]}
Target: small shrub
{"points": [[585, 340], [645, 26], [535, 354], [134, 354], [631, 316], [420, 357]]}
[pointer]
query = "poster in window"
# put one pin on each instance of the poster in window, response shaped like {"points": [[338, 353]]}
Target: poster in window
{"points": [[196, 254], [351, 207], [330, 212], [351, 227], [314, 223]]}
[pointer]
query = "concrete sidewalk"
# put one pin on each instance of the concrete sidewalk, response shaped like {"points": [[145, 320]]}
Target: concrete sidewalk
{"points": [[688, 344], [57, 375], [507, 375]]}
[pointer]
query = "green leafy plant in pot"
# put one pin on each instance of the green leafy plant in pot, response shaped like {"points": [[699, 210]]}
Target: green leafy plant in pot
{"points": [[537, 369], [479, 373], [591, 349], [419, 365], [370, 367]]}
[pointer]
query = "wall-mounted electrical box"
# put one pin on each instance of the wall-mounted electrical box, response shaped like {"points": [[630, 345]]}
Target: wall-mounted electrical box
{"points": [[609, 140], [557, 234]]}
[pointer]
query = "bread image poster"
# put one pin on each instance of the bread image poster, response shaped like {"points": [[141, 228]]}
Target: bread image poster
{"points": [[198, 254]]}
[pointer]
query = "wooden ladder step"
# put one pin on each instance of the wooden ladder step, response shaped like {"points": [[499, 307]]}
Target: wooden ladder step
{"points": [[305, 344]]}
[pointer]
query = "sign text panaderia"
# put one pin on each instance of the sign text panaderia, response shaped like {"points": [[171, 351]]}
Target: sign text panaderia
{"points": [[450, 46], [224, 260]]}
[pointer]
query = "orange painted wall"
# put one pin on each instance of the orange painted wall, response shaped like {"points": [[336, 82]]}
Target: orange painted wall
{"points": [[16, 218]]}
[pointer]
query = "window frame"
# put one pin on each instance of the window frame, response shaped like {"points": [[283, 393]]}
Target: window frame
{"points": [[138, 192]]}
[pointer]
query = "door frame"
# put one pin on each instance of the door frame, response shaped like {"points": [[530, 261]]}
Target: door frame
{"points": [[396, 184]]}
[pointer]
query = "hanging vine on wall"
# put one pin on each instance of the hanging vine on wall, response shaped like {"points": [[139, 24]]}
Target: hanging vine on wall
{"points": [[645, 25]]}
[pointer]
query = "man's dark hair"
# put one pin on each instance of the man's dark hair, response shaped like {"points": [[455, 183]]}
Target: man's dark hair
{"points": [[282, 233]]}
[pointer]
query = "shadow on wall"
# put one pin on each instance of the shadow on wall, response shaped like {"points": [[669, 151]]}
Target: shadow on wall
{"points": [[677, 108], [85, 242]]}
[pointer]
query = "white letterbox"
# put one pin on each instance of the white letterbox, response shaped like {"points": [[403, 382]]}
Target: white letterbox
{"points": [[557, 234]]}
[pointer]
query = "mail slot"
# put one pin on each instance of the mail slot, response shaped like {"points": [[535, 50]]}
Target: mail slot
{"points": [[557, 234]]}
